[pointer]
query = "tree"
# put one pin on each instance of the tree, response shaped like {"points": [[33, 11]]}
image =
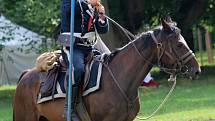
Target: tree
{"points": [[135, 15], [189, 14], [37, 15], [138, 13]]}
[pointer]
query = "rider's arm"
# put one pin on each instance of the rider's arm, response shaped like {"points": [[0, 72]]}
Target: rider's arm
{"points": [[101, 22], [102, 26]]}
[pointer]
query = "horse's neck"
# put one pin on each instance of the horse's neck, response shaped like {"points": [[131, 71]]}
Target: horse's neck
{"points": [[130, 68]]}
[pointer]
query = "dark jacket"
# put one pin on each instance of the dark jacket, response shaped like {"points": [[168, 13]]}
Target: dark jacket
{"points": [[88, 25]]}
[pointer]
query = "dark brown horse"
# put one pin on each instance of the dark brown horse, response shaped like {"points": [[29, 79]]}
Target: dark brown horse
{"points": [[117, 100]]}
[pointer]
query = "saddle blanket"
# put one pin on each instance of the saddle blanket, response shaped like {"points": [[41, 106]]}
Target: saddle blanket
{"points": [[91, 86]]}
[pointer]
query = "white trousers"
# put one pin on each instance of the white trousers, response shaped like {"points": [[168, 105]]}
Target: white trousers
{"points": [[100, 45], [148, 78]]}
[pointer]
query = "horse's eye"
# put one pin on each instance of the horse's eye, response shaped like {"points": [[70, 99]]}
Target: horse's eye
{"points": [[179, 45], [177, 37]]}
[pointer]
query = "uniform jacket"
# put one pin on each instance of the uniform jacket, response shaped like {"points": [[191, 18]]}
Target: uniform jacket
{"points": [[86, 18]]}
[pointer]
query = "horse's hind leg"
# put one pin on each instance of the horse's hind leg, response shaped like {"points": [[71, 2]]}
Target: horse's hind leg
{"points": [[25, 116], [24, 111], [24, 107]]}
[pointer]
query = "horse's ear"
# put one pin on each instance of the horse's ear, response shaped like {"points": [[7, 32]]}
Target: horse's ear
{"points": [[169, 19], [165, 25]]}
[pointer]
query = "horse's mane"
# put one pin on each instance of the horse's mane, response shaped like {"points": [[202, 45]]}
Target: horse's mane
{"points": [[110, 57], [143, 36], [139, 36]]}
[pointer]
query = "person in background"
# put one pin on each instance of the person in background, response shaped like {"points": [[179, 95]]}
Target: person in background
{"points": [[149, 81]]}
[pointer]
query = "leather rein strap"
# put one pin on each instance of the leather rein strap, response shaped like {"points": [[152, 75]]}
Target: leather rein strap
{"points": [[180, 60], [160, 52]]}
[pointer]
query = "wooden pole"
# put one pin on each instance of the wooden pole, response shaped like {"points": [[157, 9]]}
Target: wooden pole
{"points": [[70, 101], [200, 46], [208, 47]]}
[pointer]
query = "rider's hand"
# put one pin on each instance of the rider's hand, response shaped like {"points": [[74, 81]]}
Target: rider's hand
{"points": [[94, 2], [101, 11], [99, 7]]}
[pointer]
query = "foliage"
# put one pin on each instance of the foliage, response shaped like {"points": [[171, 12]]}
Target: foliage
{"points": [[38, 15], [150, 11], [43, 16], [141, 15], [136, 15], [208, 19]]}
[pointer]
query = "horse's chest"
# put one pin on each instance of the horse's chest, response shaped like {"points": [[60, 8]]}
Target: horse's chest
{"points": [[122, 112]]}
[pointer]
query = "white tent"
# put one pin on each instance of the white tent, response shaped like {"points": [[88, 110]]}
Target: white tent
{"points": [[19, 50]]}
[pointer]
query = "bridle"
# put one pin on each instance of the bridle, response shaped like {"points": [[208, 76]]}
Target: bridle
{"points": [[161, 51], [181, 61]]}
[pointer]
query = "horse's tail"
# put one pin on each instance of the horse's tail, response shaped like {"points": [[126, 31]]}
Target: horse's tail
{"points": [[23, 73]]}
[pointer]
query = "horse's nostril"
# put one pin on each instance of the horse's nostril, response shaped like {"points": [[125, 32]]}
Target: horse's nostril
{"points": [[198, 72]]}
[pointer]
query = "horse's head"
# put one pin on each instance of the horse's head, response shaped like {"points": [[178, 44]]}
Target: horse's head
{"points": [[173, 54]]}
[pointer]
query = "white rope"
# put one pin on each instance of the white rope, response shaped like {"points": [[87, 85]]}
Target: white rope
{"points": [[162, 103], [129, 35]]}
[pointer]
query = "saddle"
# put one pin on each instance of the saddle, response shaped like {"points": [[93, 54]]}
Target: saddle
{"points": [[49, 81], [49, 77], [52, 69]]}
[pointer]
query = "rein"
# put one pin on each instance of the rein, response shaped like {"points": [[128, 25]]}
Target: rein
{"points": [[181, 61], [161, 51], [129, 102]]}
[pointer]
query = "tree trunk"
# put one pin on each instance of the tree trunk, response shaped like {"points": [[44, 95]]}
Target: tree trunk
{"points": [[134, 14], [115, 38], [189, 13]]}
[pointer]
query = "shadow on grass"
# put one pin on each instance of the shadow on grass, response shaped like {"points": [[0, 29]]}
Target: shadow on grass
{"points": [[189, 94], [183, 99], [207, 76], [6, 94]]}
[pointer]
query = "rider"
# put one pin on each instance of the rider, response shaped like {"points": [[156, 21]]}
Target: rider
{"points": [[89, 19]]}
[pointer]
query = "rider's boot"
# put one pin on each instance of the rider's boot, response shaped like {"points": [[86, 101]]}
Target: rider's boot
{"points": [[74, 102]]}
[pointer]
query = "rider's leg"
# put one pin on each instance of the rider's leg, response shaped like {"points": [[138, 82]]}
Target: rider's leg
{"points": [[79, 69], [79, 65]]}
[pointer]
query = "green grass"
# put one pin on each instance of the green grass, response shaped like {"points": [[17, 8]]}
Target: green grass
{"points": [[190, 101], [6, 94], [204, 57]]}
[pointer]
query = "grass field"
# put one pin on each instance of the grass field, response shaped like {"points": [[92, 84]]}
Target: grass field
{"points": [[191, 100], [6, 94]]}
